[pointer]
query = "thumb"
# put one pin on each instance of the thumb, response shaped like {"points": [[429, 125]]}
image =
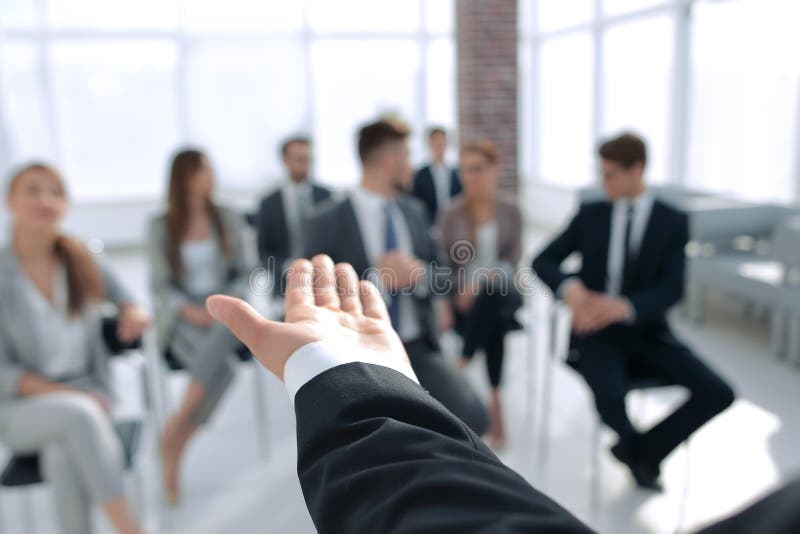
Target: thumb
{"points": [[241, 319]]}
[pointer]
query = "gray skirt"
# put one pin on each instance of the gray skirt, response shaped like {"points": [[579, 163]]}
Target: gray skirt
{"points": [[209, 356]]}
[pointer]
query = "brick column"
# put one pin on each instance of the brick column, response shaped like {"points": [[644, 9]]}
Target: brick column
{"points": [[486, 33]]}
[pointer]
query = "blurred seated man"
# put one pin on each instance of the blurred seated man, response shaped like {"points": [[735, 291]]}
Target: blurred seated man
{"points": [[632, 248], [436, 183], [282, 214], [383, 233]]}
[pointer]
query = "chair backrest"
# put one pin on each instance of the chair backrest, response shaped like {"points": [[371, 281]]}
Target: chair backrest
{"points": [[116, 346]]}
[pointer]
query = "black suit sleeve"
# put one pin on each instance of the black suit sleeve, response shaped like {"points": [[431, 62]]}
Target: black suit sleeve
{"points": [[262, 232], [417, 187], [456, 179], [376, 453], [652, 303], [267, 238], [548, 263], [318, 239]]}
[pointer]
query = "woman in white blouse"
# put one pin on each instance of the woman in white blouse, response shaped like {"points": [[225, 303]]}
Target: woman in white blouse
{"points": [[195, 250], [480, 239], [55, 395]]}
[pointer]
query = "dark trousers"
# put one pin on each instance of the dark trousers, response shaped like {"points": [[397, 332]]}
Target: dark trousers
{"points": [[614, 359], [485, 327], [447, 385]]}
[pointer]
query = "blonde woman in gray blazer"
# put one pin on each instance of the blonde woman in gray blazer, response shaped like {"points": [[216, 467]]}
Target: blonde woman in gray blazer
{"points": [[480, 239], [195, 250], [55, 395]]}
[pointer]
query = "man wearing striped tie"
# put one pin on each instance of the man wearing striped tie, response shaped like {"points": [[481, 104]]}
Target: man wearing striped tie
{"points": [[385, 236]]}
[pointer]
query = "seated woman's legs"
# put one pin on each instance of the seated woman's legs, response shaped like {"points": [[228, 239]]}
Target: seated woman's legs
{"points": [[495, 353], [475, 325], [212, 371], [81, 456]]}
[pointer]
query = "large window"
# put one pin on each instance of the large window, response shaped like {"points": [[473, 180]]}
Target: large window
{"points": [[107, 90], [714, 87], [745, 103]]}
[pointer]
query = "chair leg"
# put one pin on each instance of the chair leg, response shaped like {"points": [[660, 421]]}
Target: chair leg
{"points": [[2, 522], [685, 493], [544, 417], [139, 504], [596, 478], [696, 304], [794, 340], [530, 379], [29, 513], [261, 412], [777, 337]]}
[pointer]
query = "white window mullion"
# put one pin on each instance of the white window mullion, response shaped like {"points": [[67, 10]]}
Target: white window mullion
{"points": [[307, 42], [45, 66], [679, 134], [421, 118], [182, 77], [599, 86], [534, 84]]}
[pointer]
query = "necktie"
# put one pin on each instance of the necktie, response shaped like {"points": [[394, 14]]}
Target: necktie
{"points": [[391, 244], [628, 257]]}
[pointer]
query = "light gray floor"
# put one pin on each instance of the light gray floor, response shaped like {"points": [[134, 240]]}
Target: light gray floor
{"points": [[743, 453]]}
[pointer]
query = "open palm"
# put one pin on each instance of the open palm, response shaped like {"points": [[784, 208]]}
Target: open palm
{"points": [[323, 303]]}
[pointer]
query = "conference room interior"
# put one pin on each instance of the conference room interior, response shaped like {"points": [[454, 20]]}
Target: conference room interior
{"points": [[108, 93]]}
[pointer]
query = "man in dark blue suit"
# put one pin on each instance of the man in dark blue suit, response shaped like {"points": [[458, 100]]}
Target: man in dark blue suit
{"points": [[435, 184], [632, 250], [282, 215]]}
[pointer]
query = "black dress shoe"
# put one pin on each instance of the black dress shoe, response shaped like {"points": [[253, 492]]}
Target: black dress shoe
{"points": [[646, 475], [622, 453]]}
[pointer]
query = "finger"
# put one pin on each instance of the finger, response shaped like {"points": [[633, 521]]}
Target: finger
{"points": [[324, 282], [347, 288], [372, 302], [299, 290], [242, 320]]}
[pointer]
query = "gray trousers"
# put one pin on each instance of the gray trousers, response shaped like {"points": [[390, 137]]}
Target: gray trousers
{"points": [[209, 358], [81, 456]]}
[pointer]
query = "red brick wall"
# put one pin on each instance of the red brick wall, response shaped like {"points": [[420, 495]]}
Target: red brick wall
{"points": [[486, 33]]}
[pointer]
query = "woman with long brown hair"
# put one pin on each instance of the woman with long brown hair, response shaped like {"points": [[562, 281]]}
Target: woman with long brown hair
{"points": [[55, 395], [481, 241], [195, 250]]}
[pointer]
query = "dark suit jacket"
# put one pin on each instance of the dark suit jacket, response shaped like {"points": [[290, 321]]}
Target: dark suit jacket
{"points": [[335, 231], [376, 453], [273, 228], [658, 270], [425, 189]]}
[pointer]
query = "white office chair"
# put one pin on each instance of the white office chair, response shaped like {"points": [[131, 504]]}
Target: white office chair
{"points": [[22, 472], [164, 365], [555, 327]]}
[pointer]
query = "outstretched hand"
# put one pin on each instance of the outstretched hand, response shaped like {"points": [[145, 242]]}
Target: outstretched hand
{"points": [[323, 303]]}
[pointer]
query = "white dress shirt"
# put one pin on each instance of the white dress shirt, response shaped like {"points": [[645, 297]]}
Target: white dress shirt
{"points": [[642, 206], [313, 359], [487, 239], [370, 211], [441, 182], [64, 338], [297, 201]]}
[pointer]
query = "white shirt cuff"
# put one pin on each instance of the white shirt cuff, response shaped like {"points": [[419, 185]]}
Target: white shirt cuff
{"points": [[315, 358]]}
